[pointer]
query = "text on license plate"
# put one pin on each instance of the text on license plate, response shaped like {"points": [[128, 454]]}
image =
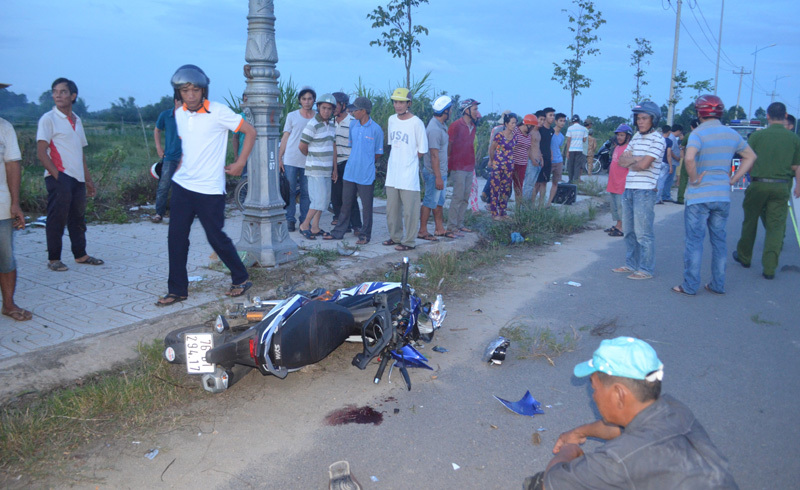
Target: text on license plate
{"points": [[197, 344]]}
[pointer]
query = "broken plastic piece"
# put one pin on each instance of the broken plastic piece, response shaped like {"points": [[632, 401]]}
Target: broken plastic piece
{"points": [[573, 283], [527, 405], [340, 476], [557, 243], [374, 478], [455, 467], [440, 349], [496, 350], [151, 454], [517, 238]]}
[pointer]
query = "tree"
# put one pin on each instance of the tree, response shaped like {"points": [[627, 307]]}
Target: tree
{"points": [[736, 112], [402, 38], [680, 83], [701, 87], [583, 24], [642, 50], [761, 115]]}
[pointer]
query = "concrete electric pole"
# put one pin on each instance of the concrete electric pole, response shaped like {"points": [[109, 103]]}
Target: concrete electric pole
{"points": [[671, 109]]}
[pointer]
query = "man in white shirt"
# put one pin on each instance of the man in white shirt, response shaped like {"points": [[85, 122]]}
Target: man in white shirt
{"points": [[11, 218], [577, 136], [409, 143], [198, 186], [59, 146], [292, 162]]}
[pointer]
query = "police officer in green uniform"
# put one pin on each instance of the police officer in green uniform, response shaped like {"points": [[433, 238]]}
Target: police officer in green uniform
{"points": [[767, 196], [684, 177]]}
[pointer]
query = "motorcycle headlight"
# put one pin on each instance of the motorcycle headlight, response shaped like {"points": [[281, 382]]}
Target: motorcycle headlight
{"points": [[438, 313]]}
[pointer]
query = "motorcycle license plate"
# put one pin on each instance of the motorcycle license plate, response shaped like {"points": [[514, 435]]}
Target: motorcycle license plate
{"points": [[197, 344]]}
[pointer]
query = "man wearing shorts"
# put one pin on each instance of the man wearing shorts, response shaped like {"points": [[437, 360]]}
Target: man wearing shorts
{"points": [[11, 218], [434, 171], [318, 144]]}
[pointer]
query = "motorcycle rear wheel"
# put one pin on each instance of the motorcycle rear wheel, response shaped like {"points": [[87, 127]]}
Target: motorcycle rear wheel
{"points": [[597, 166]]}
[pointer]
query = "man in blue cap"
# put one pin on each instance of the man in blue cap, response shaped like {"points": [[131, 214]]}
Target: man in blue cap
{"points": [[653, 441]]}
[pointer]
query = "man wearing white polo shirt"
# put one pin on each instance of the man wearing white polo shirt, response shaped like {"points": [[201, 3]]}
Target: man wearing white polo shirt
{"points": [[198, 186], [59, 146]]}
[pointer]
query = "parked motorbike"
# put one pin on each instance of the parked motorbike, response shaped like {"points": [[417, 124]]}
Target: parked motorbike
{"points": [[602, 159], [387, 318]]}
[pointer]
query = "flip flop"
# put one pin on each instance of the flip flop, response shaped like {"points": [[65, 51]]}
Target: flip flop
{"points": [[428, 237], [170, 299], [91, 261], [403, 248], [235, 287], [18, 314], [680, 290], [308, 234], [609, 230], [448, 234], [712, 291], [321, 232], [57, 266], [362, 241], [624, 269], [389, 242], [639, 275], [616, 232], [465, 229]]}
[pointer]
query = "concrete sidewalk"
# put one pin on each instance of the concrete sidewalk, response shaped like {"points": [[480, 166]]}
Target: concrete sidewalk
{"points": [[89, 310]]}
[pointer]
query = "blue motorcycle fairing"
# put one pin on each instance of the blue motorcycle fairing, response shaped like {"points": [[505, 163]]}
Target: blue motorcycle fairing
{"points": [[410, 357], [527, 405], [365, 288]]}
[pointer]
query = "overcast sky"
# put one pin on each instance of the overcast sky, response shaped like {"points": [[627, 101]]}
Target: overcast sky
{"points": [[502, 57]]}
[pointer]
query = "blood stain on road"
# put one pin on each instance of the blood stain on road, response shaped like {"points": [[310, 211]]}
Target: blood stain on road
{"points": [[354, 415]]}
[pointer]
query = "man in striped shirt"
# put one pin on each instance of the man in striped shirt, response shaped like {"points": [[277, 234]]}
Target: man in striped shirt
{"points": [[708, 198], [318, 144], [342, 120], [643, 160]]}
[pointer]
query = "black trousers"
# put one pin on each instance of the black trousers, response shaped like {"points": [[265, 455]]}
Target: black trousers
{"points": [[66, 206], [350, 192]]}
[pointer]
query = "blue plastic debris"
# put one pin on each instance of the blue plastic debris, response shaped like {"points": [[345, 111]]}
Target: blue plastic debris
{"points": [[517, 238], [440, 349], [525, 406]]}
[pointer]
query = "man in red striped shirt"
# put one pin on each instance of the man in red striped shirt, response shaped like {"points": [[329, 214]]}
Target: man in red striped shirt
{"points": [[59, 146]]}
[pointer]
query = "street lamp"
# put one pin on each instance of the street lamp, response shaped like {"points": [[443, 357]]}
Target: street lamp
{"points": [[753, 86], [265, 236]]}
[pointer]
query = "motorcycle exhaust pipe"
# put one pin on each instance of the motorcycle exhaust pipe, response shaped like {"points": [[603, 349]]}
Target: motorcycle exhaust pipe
{"points": [[222, 379]]}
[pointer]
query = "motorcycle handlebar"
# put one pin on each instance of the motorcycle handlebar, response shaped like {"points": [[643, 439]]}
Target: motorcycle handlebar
{"points": [[382, 367]]}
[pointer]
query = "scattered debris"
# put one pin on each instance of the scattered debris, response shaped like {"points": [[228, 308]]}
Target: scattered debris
{"points": [[541, 429], [573, 284], [151, 454], [527, 405], [195, 278], [455, 467], [477, 311], [517, 238], [420, 274], [136, 442], [496, 350], [440, 349], [396, 411], [345, 249], [492, 426], [458, 329], [605, 327], [165, 469], [374, 478], [536, 439], [340, 476], [556, 243]]}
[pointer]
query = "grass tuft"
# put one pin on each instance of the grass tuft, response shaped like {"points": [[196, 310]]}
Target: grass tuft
{"points": [[534, 342], [32, 432]]}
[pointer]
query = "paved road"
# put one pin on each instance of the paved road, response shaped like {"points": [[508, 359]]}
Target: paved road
{"points": [[733, 359]]}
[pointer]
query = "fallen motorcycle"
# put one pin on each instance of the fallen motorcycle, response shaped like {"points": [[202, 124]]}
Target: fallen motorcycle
{"points": [[387, 318]]}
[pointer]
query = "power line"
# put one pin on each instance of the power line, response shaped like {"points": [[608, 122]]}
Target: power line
{"points": [[727, 58], [697, 45], [712, 43]]}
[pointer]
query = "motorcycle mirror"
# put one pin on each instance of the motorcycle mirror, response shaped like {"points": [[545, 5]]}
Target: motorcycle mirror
{"points": [[221, 324]]}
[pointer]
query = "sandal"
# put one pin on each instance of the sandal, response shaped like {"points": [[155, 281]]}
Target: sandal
{"points": [[328, 236], [308, 234], [321, 232], [57, 266], [610, 229], [362, 241], [428, 237], [403, 248], [238, 289], [157, 218], [616, 232], [448, 234], [624, 269], [325, 235], [680, 290], [389, 242], [170, 299], [465, 229], [712, 291], [91, 261], [639, 275], [18, 314]]}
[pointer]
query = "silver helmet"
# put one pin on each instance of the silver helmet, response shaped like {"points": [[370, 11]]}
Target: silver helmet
{"points": [[189, 74]]}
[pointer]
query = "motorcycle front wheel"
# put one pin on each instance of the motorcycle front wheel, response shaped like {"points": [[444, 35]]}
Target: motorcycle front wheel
{"points": [[240, 194], [596, 166]]}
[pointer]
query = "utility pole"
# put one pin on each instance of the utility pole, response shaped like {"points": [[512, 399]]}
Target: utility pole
{"points": [[719, 49], [772, 96], [753, 86], [741, 74], [671, 109]]}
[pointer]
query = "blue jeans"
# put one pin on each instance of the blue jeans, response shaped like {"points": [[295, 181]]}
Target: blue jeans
{"points": [[666, 192], [531, 174], [210, 210], [637, 222], [167, 169], [297, 178], [662, 178], [697, 217], [7, 262], [433, 197]]}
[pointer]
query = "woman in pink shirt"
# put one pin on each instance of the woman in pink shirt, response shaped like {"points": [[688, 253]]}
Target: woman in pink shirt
{"points": [[616, 178]]}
